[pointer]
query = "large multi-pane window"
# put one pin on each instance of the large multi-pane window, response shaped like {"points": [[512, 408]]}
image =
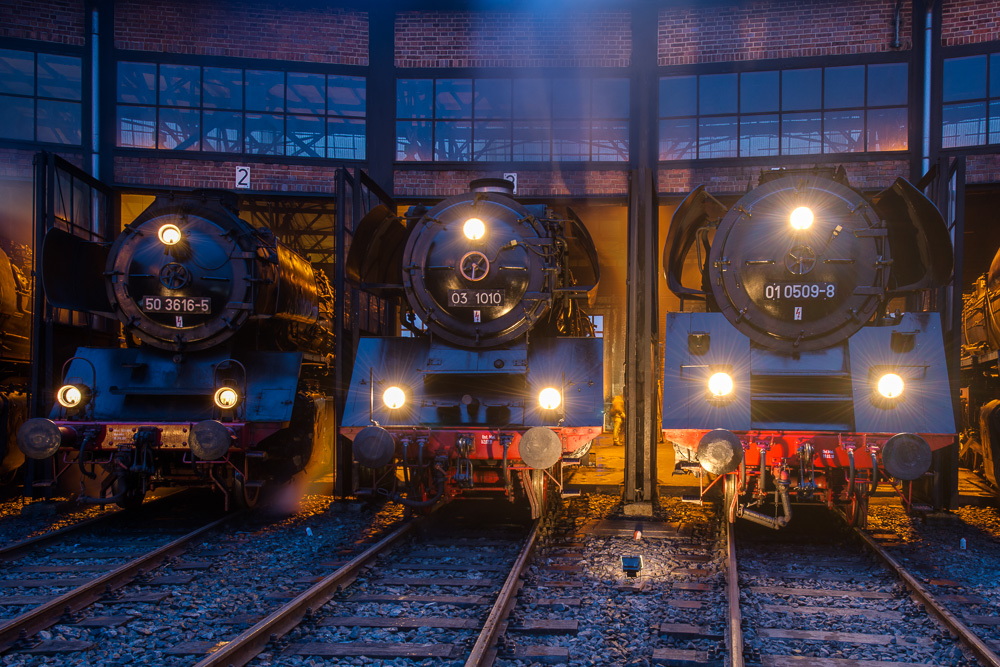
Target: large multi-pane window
{"points": [[970, 92], [235, 110], [525, 120], [852, 108], [41, 97]]}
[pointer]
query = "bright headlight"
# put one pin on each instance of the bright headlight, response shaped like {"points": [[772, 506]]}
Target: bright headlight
{"points": [[169, 234], [890, 385], [474, 229], [801, 218], [227, 398], [720, 384], [549, 398], [71, 396], [394, 397]]}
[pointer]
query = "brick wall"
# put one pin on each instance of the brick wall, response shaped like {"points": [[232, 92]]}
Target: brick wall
{"points": [[179, 173], [767, 29], [59, 21], [733, 180], [982, 169], [969, 21], [413, 183], [308, 31], [514, 39]]}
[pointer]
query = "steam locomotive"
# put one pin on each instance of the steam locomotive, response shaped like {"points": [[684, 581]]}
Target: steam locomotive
{"points": [[795, 380], [502, 376], [980, 393], [15, 355], [223, 379]]}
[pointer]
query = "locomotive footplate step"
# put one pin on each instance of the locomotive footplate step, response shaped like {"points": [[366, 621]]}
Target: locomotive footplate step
{"points": [[103, 621], [686, 630], [807, 661], [371, 650], [673, 657], [53, 646], [398, 622], [833, 611], [551, 655], [829, 636]]}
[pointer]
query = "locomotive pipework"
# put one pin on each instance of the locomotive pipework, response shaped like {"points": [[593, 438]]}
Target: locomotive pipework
{"points": [[505, 381], [796, 365]]}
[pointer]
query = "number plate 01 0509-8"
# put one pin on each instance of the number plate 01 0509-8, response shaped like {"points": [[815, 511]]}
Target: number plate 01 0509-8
{"points": [[191, 305], [475, 298]]}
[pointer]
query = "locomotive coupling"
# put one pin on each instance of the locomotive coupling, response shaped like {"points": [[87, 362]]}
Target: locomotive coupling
{"points": [[906, 456], [39, 438], [374, 447], [720, 452]]}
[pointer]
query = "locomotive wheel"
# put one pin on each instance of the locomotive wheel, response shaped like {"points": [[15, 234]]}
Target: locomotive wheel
{"points": [[245, 497], [857, 510], [134, 489], [730, 484]]}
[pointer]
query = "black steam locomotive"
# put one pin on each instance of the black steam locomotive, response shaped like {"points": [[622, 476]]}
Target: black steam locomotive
{"points": [[15, 355], [223, 378], [502, 376], [980, 393], [795, 379]]}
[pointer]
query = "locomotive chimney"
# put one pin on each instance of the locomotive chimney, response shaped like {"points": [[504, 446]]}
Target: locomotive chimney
{"points": [[501, 185]]}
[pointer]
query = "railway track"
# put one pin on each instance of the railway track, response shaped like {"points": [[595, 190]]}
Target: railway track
{"points": [[432, 588], [824, 599], [110, 552]]}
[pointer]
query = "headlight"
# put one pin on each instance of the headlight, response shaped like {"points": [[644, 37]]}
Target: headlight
{"points": [[720, 384], [801, 218], [474, 229], [72, 396], [549, 398], [227, 398], [169, 234], [394, 397], [890, 385]]}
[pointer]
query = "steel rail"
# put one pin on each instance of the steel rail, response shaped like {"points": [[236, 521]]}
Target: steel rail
{"points": [[983, 652], [484, 650], [50, 613], [245, 647], [733, 593]]}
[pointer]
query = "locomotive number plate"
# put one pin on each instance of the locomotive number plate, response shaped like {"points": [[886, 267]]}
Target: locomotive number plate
{"points": [[800, 291], [177, 304], [475, 298]]}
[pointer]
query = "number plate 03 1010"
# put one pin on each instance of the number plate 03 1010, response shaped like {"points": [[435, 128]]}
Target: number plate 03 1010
{"points": [[475, 298]]}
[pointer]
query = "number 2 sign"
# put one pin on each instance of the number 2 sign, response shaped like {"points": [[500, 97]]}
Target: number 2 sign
{"points": [[242, 178]]}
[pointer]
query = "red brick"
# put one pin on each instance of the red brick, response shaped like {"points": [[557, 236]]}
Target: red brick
{"points": [[59, 21]]}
